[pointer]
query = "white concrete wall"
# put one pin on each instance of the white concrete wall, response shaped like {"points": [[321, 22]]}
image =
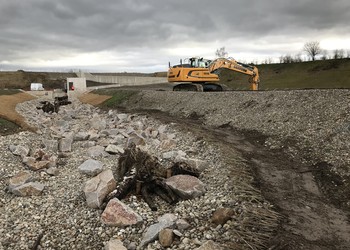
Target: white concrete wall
{"points": [[79, 83], [123, 80]]}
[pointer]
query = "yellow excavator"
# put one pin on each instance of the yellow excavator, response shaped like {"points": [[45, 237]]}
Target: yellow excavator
{"points": [[199, 74]]}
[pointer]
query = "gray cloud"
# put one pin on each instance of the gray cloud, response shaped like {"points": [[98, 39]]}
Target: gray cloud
{"points": [[40, 30]]}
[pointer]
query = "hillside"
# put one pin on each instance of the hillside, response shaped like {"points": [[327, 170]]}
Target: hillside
{"points": [[304, 75], [317, 74], [22, 79]]}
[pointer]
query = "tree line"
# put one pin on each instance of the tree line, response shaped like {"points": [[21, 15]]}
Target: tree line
{"points": [[312, 49]]}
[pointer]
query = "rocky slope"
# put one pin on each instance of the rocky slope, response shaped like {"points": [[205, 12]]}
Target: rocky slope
{"points": [[58, 217], [311, 123]]}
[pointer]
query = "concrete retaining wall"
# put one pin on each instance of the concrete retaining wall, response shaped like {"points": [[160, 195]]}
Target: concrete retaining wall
{"points": [[123, 80]]}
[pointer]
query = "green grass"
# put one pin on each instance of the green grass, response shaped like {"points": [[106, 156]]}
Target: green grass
{"points": [[317, 74], [9, 91], [118, 96], [7, 127]]}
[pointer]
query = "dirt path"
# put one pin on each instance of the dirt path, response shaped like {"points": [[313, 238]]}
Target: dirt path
{"points": [[8, 108], [93, 99], [310, 220]]}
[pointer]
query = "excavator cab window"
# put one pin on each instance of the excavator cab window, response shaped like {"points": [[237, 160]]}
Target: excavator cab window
{"points": [[193, 62]]}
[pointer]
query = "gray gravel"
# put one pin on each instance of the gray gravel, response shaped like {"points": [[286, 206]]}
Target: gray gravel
{"points": [[62, 217], [314, 124]]}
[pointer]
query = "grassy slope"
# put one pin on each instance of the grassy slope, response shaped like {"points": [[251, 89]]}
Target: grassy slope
{"points": [[317, 74], [7, 127]]}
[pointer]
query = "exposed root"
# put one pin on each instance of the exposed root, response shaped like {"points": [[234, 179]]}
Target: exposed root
{"points": [[143, 174]]}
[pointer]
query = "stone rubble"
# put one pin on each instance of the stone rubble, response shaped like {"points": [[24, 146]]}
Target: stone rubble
{"points": [[313, 124], [120, 215], [115, 244], [69, 213], [91, 167], [186, 186], [98, 187]]}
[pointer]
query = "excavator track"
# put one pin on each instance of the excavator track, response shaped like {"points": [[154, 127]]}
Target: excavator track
{"points": [[203, 87], [188, 87]]}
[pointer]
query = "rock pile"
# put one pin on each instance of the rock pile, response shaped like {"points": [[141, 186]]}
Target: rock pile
{"points": [[71, 164]]}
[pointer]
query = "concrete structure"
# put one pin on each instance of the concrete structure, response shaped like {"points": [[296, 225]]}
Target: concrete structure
{"points": [[122, 80], [76, 86], [36, 86]]}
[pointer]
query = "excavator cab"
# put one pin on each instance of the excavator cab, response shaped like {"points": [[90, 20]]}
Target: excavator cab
{"points": [[194, 74]]}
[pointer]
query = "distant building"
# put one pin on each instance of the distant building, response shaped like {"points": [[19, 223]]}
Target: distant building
{"points": [[36, 86], [75, 85]]}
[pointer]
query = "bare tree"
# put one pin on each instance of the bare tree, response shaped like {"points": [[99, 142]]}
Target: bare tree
{"points": [[221, 53], [313, 49], [297, 58], [338, 54], [268, 60], [324, 54]]}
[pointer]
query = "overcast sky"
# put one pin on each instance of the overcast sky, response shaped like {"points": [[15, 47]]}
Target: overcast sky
{"points": [[143, 35]]}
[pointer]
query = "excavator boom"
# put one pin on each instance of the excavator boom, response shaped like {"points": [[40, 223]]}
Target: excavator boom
{"points": [[231, 64]]}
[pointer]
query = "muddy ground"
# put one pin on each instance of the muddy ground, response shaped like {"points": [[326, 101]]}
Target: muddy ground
{"points": [[311, 218]]}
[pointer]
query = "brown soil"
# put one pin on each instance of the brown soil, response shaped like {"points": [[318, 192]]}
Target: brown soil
{"points": [[93, 99], [8, 108]]}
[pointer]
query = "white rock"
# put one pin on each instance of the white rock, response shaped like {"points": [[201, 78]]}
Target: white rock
{"points": [[115, 244], [97, 188], [91, 167], [28, 189], [113, 149], [186, 186], [119, 214]]}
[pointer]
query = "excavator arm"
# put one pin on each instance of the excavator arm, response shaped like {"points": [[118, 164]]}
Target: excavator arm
{"points": [[231, 64]]}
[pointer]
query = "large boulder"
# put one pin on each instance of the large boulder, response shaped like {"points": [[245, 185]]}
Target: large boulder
{"points": [[98, 122], [19, 179], [119, 214], [209, 245], [19, 150], [152, 233], [166, 237], [114, 149], [186, 186], [182, 224], [96, 151], [97, 188], [199, 164], [50, 145], [28, 189], [65, 145], [91, 167], [81, 136], [115, 244], [222, 215], [135, 139]]}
